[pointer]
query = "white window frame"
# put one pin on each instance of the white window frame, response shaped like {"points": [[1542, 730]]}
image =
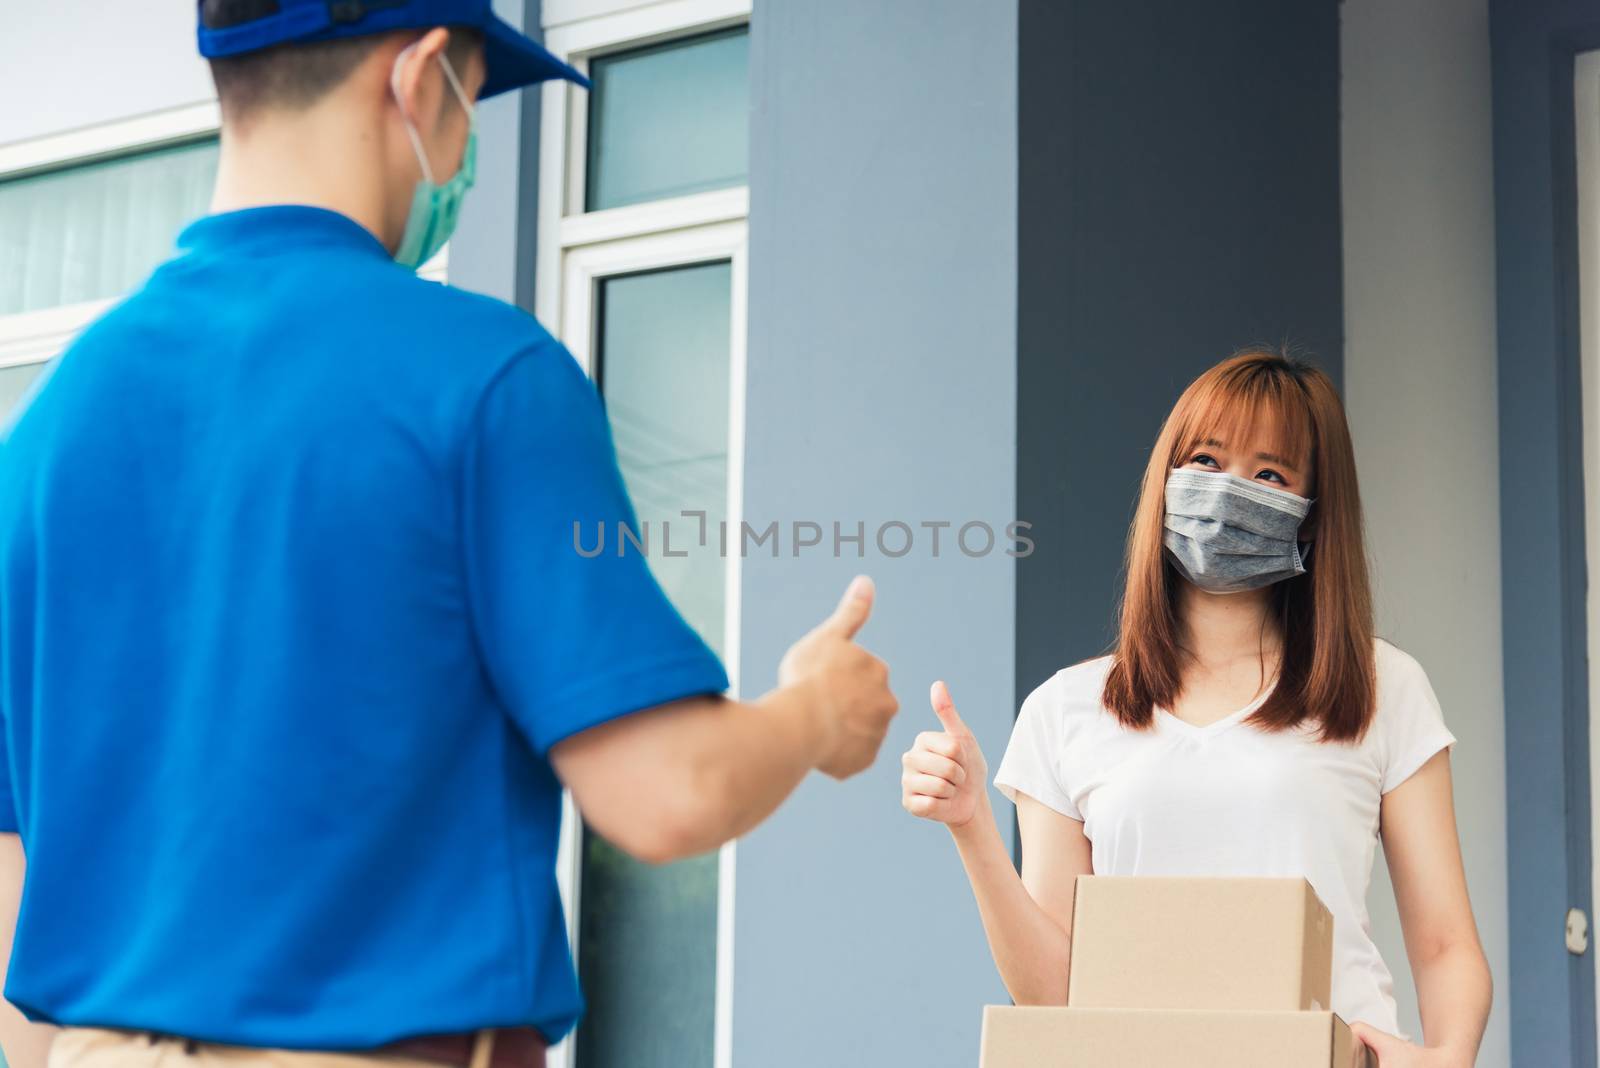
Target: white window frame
{"points": [[39, 335], [576, 251]]}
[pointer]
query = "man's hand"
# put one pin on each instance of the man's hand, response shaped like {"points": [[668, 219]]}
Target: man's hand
{"points": [[846, 687], [682, 778]]}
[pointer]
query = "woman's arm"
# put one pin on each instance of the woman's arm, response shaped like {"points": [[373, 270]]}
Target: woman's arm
{"points": [[1454, 988], [1027, 918]]}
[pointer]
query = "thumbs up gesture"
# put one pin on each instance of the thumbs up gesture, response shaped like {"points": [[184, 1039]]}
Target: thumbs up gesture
{"points": [[944, 772], [848, 686]]}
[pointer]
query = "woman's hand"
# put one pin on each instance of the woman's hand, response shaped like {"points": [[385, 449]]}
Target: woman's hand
{"points": [[945, 777], [1392, 1052]]}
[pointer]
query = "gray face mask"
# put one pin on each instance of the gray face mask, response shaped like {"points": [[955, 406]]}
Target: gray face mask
{"points": [[1226, 534]]}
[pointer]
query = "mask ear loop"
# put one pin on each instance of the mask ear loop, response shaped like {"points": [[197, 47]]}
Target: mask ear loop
{"points": [[1305, 553], [411, 131], [455, 83]]}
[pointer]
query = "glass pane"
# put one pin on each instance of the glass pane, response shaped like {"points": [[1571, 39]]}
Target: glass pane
{"points": [[669, 120], [14, 383], [663, 346], [95, 230], [647, 941]]}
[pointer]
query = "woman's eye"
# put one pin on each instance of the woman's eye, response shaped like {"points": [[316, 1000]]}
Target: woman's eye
{"points": [[1202, 458], [1265, 473]]}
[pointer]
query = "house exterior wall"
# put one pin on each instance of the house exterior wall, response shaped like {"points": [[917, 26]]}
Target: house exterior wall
{"points": [[95, 61], [493, 248], [942, 288], [1171, 211], [1420, 387], [882, 387], [1545, 578]]}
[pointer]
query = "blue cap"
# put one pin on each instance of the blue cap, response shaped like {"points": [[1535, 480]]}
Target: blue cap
{"points": [[512, 59]]}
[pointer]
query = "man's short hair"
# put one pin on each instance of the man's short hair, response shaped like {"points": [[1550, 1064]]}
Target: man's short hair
{"points": [[295, 76]]}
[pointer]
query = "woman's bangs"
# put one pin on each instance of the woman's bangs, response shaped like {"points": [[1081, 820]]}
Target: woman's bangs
{"points": [[1253, 415]]}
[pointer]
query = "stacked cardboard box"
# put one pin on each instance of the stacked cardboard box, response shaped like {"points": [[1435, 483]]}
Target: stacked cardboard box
{"points": [[1186, 973]]}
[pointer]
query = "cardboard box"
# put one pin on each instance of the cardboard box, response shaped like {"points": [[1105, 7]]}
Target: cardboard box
{"points": [[1032, 1037], [1210, 943]]}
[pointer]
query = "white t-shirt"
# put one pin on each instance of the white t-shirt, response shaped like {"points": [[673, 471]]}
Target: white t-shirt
{"points": [[1229, 799]]}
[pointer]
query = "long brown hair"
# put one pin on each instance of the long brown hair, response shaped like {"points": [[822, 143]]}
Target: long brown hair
{"points": [[1326, 675]]}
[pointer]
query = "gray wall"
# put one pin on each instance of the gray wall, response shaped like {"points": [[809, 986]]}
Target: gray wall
{"points": [[881, 387], [1179, 199], [83, 62], [1420, 377], [496, 239]]}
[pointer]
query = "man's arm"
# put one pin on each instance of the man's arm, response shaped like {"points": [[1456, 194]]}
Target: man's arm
{"points": [[595, 665], [680, 779], [26, 1044]]}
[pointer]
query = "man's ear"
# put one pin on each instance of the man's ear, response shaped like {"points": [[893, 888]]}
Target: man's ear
{"points": [[420, 96]]}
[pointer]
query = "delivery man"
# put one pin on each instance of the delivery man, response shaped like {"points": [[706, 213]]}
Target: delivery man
{"points": [[296, 649]]}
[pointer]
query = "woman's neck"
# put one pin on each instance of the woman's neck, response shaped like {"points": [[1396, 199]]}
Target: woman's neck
{"points": [[1222, 629]]}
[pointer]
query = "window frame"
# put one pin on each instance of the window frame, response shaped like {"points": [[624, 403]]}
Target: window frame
{"points": [[577, 250], [39, 335]]}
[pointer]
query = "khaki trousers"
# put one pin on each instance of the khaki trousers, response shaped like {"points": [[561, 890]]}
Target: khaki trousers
{"points": [[93, 1047]]}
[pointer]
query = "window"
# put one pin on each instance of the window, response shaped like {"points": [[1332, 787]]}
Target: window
{"points": [[662, 365], [669, 119], [84, 216], [94, 230], [642, 264]]}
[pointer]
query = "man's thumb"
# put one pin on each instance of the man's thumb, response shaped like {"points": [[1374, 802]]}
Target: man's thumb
{"points": [[945, 709], [854, 608]]}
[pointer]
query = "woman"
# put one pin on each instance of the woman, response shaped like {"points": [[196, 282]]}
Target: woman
{"points": [[1247, 722]]}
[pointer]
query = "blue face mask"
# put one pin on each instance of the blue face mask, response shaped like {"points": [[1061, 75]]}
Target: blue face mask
{"points": [[435, 207]]}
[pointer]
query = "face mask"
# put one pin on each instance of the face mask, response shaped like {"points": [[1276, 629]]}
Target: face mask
{"points": [[1226, 534], [435, 207]]}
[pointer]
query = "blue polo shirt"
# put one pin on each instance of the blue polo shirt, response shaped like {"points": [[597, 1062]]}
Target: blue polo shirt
{"points": [[291, 615]]}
